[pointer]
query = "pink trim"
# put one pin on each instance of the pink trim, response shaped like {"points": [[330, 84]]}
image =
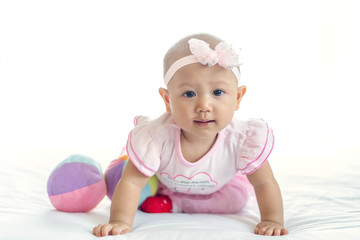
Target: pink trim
{"points": [[136, 120], [264, 159], [139, 168], [189, 178], [177, 133], [134, 153], [267, 137], [178, 145]]}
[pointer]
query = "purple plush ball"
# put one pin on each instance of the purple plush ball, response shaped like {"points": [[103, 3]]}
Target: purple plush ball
{"points": [[76, 184], [114, 172]]}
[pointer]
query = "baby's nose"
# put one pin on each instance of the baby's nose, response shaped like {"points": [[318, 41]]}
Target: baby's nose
{"points": [[204, 104]]}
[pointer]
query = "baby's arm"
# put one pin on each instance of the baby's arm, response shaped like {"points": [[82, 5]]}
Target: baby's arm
{"points": [[269, 199], [124, 202]]}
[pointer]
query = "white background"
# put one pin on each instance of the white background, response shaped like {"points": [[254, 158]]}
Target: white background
{"points": [[73, 74]]}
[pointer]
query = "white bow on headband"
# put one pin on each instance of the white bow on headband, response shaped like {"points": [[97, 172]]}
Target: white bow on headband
{"points": [[223, 54]]}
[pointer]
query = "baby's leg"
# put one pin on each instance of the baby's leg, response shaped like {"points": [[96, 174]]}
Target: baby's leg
{"points": [[229, 199]]}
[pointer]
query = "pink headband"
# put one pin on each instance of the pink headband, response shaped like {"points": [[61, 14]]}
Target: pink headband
{"points": [[224, 55]]}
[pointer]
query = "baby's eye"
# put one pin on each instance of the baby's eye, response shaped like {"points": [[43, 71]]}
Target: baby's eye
{"points": [[189, 94], [218, 92]]}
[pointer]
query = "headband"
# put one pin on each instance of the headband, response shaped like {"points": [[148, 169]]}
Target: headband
{"points": [[223, 54]]}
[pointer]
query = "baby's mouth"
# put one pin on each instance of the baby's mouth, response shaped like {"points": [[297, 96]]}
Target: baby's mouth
{"points": [[204, 123]]}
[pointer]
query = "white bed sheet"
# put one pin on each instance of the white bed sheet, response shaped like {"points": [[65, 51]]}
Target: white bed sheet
{"points": [[321, 199]]}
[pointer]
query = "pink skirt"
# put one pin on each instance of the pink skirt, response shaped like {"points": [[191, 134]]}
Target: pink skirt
{"points": [[228, 200]]}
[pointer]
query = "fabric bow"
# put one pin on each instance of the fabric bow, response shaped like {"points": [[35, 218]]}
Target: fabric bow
{"points": [[224, 54]]}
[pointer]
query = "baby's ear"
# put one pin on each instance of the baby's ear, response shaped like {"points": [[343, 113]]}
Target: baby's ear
{"points": [[165, 96], [240, 93]]}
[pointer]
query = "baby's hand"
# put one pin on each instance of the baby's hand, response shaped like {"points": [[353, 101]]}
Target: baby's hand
{"points": [[268, 228], [114, 228]]}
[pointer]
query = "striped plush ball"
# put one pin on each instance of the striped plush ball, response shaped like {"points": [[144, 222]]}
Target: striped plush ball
{"points": [[76, 184], [114, 172]]}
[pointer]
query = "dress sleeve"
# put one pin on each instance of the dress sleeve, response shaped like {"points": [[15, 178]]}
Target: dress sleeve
{"points": [[258, 144], [141, 148]]}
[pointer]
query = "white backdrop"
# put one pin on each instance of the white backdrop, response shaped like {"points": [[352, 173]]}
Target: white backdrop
{"points": [[73, 74]]}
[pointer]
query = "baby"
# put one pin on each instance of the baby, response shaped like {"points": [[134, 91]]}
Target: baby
{"points": [[205, 160]]}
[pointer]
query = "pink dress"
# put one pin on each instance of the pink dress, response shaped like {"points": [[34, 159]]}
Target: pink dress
{"points": [[216, 182]]}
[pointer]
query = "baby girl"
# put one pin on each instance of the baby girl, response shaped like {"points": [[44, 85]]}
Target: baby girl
{"points": [[206, 161]]}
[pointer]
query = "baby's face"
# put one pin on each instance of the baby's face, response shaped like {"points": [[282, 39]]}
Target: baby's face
{"points": [[202, 99]]}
